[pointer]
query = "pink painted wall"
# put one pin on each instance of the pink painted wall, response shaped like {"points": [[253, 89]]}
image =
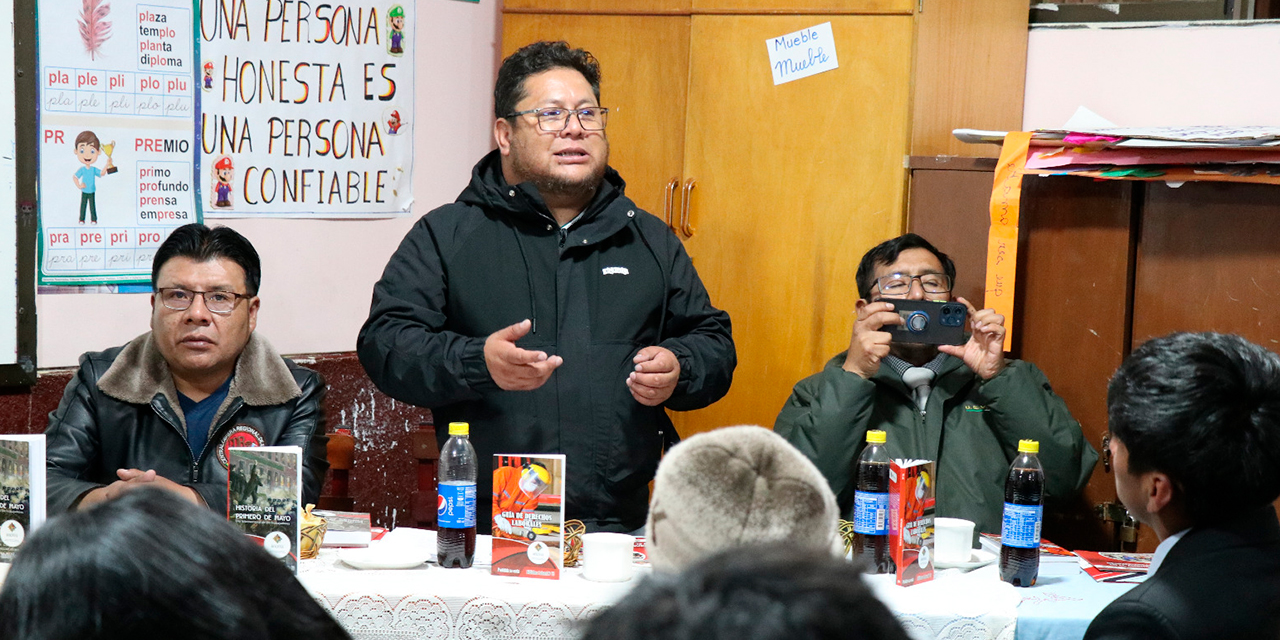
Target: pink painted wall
{"points": [[318, 275], [1172, 75]]}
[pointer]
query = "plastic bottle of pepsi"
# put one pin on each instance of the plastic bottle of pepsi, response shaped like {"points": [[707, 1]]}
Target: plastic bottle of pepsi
{"points": [[456, 515], [1023, 516], [871, 506]]}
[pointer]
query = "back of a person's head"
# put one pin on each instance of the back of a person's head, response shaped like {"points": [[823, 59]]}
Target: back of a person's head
{"points": [[151, 565], [1203, 408], [766, 592], [737, 486]]}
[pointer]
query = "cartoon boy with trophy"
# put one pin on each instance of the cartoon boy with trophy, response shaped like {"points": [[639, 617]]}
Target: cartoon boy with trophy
{"points": [[87, 149]]}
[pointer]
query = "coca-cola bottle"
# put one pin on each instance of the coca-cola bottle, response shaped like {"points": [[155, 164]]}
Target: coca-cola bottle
{"points": [[871, 506], [456, 515]]}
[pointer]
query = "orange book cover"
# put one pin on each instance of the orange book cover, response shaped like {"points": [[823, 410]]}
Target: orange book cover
{"points": [[528, 516], [911, 507]]}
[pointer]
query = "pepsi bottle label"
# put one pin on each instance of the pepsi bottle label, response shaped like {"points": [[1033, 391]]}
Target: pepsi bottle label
{"points": [[871, 513], [1021, 526], [456, 505]]}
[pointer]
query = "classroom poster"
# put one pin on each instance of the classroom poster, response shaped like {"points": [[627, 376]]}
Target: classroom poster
{"points": [[306, 108], [117, 135]]}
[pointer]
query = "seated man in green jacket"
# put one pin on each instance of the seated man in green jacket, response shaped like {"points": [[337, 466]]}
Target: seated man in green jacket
{"points": [[963, 406]]}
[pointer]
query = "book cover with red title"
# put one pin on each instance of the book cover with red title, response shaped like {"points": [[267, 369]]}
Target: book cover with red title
{"points": [[911, 507], [528, 516]]}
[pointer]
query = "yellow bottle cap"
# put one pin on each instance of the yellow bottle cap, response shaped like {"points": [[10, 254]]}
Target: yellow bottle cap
{"points": [[875, 436], [459, 429], [1028, 446]]}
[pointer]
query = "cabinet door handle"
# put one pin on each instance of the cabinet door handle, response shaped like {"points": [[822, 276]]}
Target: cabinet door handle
{"points": [[670, 196], [684, 211]]}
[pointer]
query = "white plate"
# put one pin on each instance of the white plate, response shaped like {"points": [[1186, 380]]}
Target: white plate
{"points": [[979, 558], [376, 558]]}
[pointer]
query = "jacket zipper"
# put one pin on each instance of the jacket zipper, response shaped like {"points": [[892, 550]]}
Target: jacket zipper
{"points": [[164, 411], [226, 418]]}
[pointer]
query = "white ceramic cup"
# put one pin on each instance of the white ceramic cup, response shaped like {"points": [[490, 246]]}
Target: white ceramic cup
{"points": [[952, 540], [606, 557]]}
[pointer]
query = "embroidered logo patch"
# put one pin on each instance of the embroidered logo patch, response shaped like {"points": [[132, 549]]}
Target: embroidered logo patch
{"points": [[615, 271], [975, 408], [241, 435]]}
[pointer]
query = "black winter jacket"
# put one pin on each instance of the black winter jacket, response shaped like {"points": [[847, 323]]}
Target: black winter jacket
{"points": [[614, 282], [120, 411]]}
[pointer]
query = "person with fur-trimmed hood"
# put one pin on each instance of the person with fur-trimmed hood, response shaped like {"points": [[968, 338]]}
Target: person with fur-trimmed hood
{"points": [[163, 410]]}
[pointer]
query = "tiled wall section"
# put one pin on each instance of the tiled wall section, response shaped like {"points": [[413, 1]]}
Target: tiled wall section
{"points": [[385, 476]]}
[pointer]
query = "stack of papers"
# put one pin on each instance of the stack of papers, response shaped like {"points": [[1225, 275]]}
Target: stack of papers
{"points": [[1115, 566], [1090, 146]]}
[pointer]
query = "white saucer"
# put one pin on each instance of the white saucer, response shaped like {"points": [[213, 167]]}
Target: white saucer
{"points": [[979, 558], [375, 558]]}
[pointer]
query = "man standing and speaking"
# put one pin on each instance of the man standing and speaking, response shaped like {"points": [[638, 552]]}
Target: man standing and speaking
{"points": [[545, 308]]}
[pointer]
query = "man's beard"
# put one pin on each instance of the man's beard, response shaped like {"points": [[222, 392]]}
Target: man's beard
{"points": [[554, 186]]}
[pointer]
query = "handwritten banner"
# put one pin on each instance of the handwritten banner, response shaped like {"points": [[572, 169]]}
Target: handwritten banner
{"points": [[117, 135], [306, 108], [1002, 239], [803, 53]]}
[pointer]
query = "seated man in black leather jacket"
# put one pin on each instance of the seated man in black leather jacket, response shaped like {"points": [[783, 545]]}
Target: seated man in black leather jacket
{"points": [[163, 409]]}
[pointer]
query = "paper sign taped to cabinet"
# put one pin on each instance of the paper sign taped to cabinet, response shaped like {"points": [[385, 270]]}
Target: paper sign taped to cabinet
{"points": [[802, 53]]}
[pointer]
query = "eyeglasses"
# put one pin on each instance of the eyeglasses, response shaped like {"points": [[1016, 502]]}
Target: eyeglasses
{"points": [[556, 119], [219, 302], [899, 284]]}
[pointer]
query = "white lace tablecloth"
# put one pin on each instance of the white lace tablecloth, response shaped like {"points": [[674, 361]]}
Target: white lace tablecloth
{"points": [[954, 605], [463, 604], [431, 602]]}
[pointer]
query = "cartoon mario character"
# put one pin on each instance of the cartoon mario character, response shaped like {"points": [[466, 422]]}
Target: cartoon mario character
{"points": [[208, 76], [223, 172], [515, 492], [395, 16], [393, 123]]}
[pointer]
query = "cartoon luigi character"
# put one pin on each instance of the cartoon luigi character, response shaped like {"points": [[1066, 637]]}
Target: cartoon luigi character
{"points": [[87, 149], [223, 172], [395, 16]]}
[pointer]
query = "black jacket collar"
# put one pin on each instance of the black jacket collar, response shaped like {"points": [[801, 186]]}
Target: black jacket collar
{"points": [[523, 204]]}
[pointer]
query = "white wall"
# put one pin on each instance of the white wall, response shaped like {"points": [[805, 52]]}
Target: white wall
{"points": [[318, 275], [1221, 73]]}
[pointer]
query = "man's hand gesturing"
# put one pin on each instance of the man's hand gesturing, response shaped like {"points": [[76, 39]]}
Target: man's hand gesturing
{"points": [[654, 380], [869, 344], [513, 368]]}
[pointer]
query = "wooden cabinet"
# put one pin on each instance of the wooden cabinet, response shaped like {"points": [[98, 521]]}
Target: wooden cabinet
{"points": [[610, 7], [786, 186], [797, 7], [793, 183], [659, 7]]}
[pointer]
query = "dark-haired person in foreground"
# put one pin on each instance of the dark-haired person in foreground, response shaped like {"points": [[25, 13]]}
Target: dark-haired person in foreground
{"points": [[965, 407], [545, 308], [152, 566], [766, 592], [1195, 444], [163, 409]]}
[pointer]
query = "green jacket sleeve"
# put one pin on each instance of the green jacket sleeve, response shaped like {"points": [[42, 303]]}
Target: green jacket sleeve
{"points": [[826, 418], [1024, 407]]}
